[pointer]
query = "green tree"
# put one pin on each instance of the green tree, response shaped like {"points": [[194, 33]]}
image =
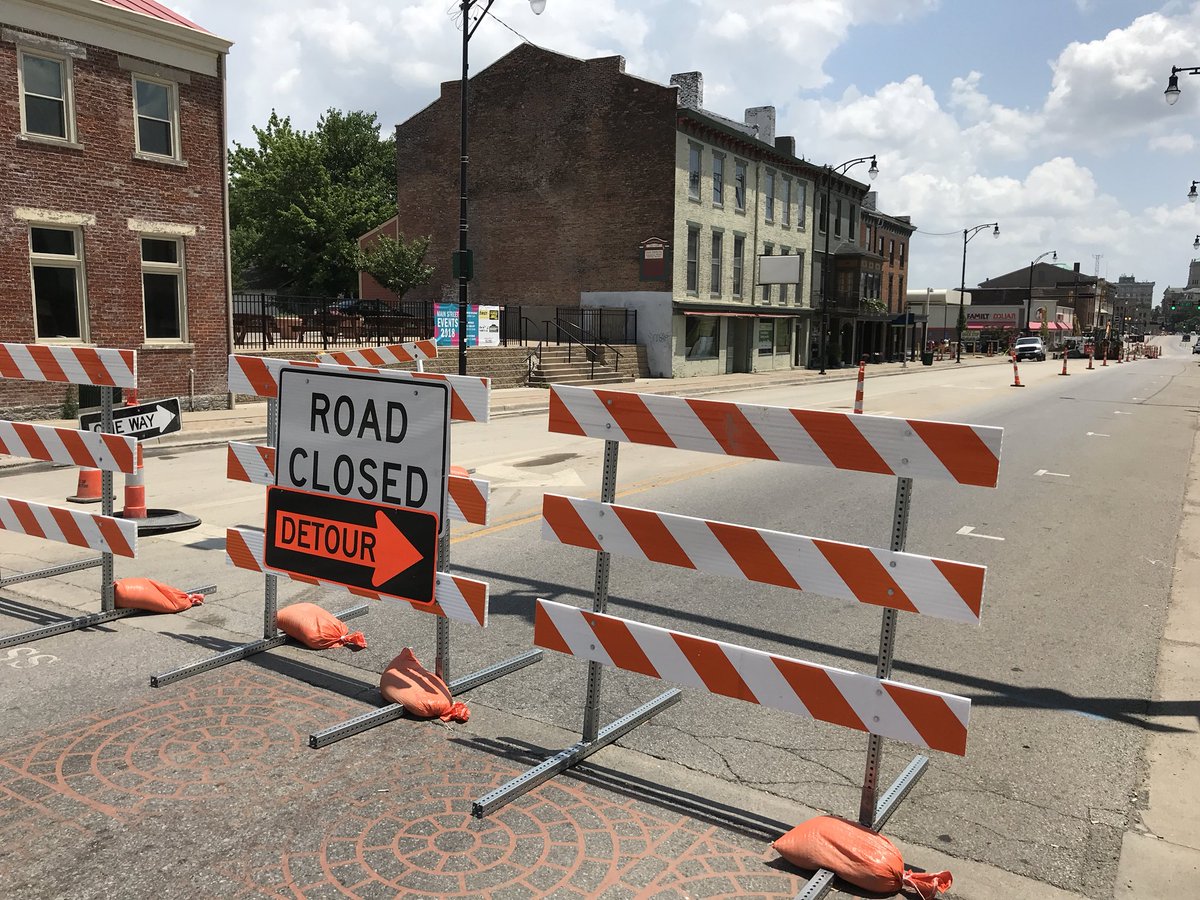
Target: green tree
{"points": [[298, 200], [395, 263]]}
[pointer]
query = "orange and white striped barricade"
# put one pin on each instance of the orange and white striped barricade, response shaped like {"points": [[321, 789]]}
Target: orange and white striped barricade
{"points": [[892, 579], [107, 369], [455, 598]]}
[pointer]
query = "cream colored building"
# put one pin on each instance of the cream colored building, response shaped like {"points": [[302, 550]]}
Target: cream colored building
{"points": [[739, 193]]}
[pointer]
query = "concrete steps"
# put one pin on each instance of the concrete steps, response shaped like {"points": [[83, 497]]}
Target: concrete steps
{"points": [[556, 368]]}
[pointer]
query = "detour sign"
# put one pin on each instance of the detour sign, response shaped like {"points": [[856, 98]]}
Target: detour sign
{"points": [[368, 546]]}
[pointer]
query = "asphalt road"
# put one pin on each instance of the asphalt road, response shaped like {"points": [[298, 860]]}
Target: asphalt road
{"points": [[1078, 540]]}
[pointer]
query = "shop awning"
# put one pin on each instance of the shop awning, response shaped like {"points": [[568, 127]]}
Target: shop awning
{"points": [[749, 313]]}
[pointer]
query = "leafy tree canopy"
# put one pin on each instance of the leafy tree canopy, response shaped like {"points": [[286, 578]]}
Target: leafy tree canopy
{"points": [[395, 263], [299, 200]]}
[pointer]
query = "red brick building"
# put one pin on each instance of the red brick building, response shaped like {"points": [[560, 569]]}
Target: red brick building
{"points": [[887, 237], [113, 214]]}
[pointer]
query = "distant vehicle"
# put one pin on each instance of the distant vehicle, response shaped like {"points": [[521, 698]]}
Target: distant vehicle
{"points": [[1030, 348], [1196, 347], [1187, 337]]}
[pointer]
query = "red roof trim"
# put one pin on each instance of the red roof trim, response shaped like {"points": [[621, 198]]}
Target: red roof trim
{"points": [[155, 11]]}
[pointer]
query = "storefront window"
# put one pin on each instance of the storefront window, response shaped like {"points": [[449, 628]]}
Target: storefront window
{"points": [[702, 336], [783, 336], [766, 337]]}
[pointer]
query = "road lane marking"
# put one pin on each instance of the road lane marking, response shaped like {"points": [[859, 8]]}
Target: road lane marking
{"points": [[1097, 434], [1041, 472], [1119, 412], [969, 531]]}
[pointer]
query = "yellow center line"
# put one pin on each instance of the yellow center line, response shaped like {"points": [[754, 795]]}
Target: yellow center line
{"points": [[637, 487]]}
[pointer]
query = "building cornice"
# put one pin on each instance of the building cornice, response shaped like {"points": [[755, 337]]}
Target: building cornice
{"points": [[119, 29]]}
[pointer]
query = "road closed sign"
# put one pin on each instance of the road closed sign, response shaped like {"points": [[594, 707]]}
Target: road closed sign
{"points": [[364, 437]]}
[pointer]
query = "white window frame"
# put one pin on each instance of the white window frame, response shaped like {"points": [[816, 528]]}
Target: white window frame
{"points": [[718, 179], [173, 100], [769, 197], [691, 270], [68, 95], [177, 268], [61, 261], [786, 203]]}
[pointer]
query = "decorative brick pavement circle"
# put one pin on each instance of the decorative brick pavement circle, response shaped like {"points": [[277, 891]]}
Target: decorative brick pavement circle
{"points": [[559, 840], [202, 744]]}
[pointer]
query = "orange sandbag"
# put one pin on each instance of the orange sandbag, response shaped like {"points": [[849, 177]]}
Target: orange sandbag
{"points": [[316, 628], [857, 855], [421, 692], [152, 596]]}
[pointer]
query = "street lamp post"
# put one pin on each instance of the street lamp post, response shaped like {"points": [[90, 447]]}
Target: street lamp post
{"points": [[1053, 254], [463, 263], [830, 171], [969, 233]]}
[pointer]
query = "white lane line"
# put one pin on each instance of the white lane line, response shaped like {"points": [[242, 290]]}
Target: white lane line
{"points": [[1097, 434], [1041, 472], [1119, 412], [969, 531]]}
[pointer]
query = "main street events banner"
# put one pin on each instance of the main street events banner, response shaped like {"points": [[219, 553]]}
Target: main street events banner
{"points": [[483, 325]]}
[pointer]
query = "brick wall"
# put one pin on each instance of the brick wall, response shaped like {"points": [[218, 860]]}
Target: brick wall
{"points": [[103, 179], [571, 166]]}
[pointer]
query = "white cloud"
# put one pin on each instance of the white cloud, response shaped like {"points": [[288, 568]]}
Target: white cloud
{"points": [[1175, 143]]}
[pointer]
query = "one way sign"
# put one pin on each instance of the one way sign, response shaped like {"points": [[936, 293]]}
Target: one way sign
{"points": [[150, 420]]}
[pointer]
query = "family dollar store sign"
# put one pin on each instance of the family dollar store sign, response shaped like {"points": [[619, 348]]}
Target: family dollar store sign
{"points": [[364, 437]]}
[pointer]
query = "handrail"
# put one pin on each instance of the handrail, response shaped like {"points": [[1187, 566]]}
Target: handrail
{"points": [[571, 341], [582, 332]]}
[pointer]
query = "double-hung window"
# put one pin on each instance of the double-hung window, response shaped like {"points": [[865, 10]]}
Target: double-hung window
{"points": [[768, 249], [718, 179], [56, 259], [693, 260], [45, 88], [783, 288], [694, 171], [718, 245], [156, 113], [801, 203], [786, 202], [739, 185], [739, 261], [837, 218], [769, 203], [164, 298]]}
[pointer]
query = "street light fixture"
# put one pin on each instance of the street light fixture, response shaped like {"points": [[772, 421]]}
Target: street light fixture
{"points": [[830, 171], [969, 233], [1172, 92], [1192, 195], [463, 263], [1196, 243], [1029, 300]]}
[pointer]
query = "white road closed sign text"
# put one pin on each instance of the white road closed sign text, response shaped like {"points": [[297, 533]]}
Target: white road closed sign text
{"points": [[364, 437]]}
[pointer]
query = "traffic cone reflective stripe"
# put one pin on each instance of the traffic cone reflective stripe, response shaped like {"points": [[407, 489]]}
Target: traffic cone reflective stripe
{"points": [[135, 491]]}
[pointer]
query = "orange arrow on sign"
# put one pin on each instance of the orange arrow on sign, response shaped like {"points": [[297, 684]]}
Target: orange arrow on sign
{"points": [[383, 548]]}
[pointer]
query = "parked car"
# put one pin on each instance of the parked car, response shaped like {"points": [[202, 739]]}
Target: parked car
{"points": [[1196, 347], [1030, 348]]}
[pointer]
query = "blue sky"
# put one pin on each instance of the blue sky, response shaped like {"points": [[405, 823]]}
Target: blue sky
{"points": [[1045, 116]]}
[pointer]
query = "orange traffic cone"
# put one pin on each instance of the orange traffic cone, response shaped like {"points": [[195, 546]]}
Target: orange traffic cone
{"points": [[87, 490], [1064, 369], [1090, 366], [1016, 374]]}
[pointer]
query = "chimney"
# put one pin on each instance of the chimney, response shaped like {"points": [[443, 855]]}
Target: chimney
{"points": [[870, 201], [762, 118], [786, 145], [691, 89]]}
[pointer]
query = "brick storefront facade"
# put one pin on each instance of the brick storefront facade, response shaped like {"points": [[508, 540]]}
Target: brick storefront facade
{"points": [[96, 184]]}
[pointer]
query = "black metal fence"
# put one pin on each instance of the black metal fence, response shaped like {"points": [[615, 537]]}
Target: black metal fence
{"points": [[283, 321]]}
